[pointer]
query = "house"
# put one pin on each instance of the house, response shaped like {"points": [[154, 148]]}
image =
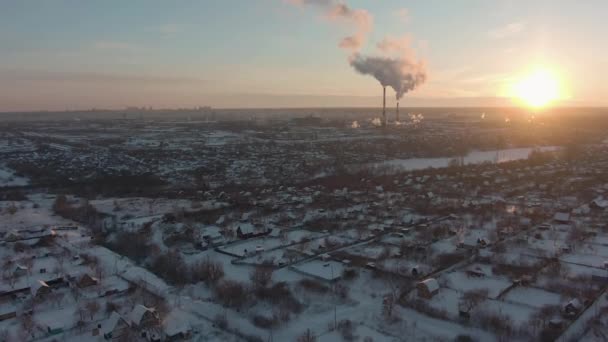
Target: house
{"points": [[561, 217], [476, 272], [86, 281], [142, 316], [599, 204], [114, 326], [146, 321], [54, 327], [20, 270], [176, 326], [482, 242], [572, 308], [428, 288], [246, 230], [39, 289], [415, 271]]}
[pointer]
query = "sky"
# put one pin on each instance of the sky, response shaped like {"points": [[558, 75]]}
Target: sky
{"points": [[71, 54]]}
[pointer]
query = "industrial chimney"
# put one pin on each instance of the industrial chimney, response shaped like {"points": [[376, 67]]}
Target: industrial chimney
{"points": [[397, 113], [384, 106]]}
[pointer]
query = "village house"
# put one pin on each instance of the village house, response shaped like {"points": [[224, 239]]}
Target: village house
{"points": [[114, 327], [246, 230], [86, 280], [428, 288]]}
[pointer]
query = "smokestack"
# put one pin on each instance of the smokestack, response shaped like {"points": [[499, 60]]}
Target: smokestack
{"points": [[397, 113], [384, 106]]}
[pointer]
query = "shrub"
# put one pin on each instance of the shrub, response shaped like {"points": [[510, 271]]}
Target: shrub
{"points": [[232, 294], [313, 285]]}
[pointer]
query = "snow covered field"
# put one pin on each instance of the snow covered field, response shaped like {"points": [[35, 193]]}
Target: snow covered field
{"points": [[8, 178]]}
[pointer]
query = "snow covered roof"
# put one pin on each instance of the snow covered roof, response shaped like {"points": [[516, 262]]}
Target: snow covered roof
{"points": [[37, 285], [138, 313], [431, 284], [110, 324], [246, 228], [562, 217], [176, 322], [600, 203]]}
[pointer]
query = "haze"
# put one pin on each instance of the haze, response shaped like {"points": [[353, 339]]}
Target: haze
{"points": [[59, 55]]}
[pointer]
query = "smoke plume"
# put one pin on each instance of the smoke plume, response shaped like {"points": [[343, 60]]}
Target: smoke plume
{"points": [[396, 67], [403, 74], [337, 11]]}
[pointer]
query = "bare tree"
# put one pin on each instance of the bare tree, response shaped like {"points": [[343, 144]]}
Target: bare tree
{"points": [[261, 276], [307, 336], [93, 308]]}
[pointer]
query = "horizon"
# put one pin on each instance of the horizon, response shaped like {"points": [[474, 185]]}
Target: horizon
{"points": [[299, 53]]}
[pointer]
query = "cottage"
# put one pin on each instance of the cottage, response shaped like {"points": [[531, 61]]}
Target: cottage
{"points": [[39, 289], [247, 230], [572, 308], [476, 272], [114, 327], [561, 217], [176, 326], [86, 281], [20, 270], [428, 288], [142, 316]]}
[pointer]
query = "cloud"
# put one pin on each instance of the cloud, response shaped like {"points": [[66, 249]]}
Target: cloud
{"points": [[400, 45], [508, 30], [170, 29], [338, 11]]}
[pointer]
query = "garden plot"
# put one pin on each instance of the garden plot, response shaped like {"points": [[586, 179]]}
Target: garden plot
{"points": [[445, 246], [519, 314], [446, 300], [28, 215], [247, 247], [518, 257], [323, 270], [573, 270], [397, 240], [405, 267], [600, 239], [8, 178], [374, 251], [584, 259], [319, 245], [139, 206], [275, 257], [532, 297], [594, 249], [460, 281]]}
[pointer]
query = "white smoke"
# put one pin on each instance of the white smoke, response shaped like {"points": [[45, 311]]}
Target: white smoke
{"points": [[416, 119], [355, 124], [377, 122], [338, 11], [402, 74], [397, 67]]}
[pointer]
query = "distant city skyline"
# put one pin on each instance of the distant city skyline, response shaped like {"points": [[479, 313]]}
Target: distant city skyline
{"points": [[61, 54]]}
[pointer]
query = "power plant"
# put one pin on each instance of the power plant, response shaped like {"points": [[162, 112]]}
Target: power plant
{"points": [[397, 113], [384, 120]]}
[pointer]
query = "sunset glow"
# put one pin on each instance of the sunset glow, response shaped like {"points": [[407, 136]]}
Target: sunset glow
{"points": [[538, 89]]}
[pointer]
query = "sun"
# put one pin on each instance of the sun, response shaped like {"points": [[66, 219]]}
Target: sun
{"points": [[538, 89]]}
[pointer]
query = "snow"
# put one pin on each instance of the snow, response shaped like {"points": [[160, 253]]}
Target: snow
{"points": [[463, 283], [325, 270], [8, 178], [532, 297]]}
